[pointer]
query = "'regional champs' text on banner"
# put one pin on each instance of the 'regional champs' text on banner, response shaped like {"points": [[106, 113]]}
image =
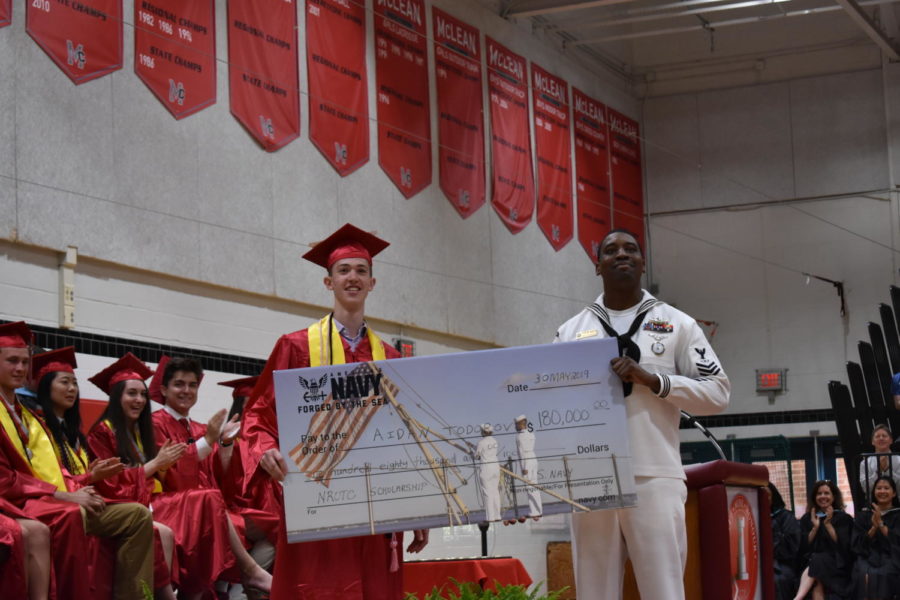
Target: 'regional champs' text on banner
{"points": [[457, 58], [512, 178], [401, 79], [175, 52], [338, 90], [591, 171], [83, 38], [554, 156], [5, 12], [625, 172], [263, 79]]}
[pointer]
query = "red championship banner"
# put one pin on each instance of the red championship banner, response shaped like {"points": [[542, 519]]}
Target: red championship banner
{"points": [[591, 172], [83, 37], [5, 12], [338, 92], [513, 179], [401, 76], [625, 172], [554, 156], [457, 57], [175, 52], [263, 76]]}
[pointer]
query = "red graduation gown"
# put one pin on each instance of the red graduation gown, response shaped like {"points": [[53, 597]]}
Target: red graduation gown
{"points": [[13, 583], [339, 569], [196, 518], [82, 564]]}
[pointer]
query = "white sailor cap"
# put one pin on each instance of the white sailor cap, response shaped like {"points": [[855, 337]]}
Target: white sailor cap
{"points": [[487, 428], [521, 418]]}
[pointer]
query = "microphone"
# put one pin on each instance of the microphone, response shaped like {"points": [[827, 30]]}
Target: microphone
{"points": [[691, 420]]}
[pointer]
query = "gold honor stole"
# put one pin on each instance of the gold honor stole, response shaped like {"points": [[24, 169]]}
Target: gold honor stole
{"points": [[43, 461], [318, 334]]}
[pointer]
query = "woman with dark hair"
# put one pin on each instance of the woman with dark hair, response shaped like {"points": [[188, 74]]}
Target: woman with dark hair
{"points": [[876, 573], [826, 545], [786, 537]]}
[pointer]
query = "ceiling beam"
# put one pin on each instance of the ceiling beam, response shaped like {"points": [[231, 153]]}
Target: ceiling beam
{"points": [[719, 24], [554, 7], [665, 15], [871, 29]]}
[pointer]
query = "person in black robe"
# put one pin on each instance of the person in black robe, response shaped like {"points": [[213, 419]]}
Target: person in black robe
{"points": [[786, 537], [826, 545], [877, 573]]}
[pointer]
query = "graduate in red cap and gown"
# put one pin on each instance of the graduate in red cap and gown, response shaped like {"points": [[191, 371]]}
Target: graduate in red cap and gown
{"points": [[205, 538], [359, 568], [34, 481], [258, 503]]}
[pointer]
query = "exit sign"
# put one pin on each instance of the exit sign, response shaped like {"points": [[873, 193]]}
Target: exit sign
{"points": [[770, 380], [406, 348]]}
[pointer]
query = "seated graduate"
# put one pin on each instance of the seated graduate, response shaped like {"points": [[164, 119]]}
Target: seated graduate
{"points": [[24, 555], [207, 543], [34, 481], [58, 401], [877, 572], [258, 503], [826, 545], [786, 539], [873, 467]]}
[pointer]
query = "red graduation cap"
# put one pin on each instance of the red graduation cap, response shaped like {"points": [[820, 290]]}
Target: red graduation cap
{"points": [[15, 335], [346, 242], [51, 362], [154, 390], [127, 367], [242, 387]]}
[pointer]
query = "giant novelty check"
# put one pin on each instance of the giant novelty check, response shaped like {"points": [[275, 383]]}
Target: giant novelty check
{"points": [[436, 441]]}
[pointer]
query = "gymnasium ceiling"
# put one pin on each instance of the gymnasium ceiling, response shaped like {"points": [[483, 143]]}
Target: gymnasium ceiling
{"points": [[660, 47]]}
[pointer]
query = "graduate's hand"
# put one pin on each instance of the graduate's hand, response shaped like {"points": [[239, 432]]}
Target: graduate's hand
{"points": [[230, 430], [168, 454], [876, 516], [829, 513], [814, 518], [104, 468], [628, 370], [420, 540], [273, 463], [214, 427], [86, 497]]}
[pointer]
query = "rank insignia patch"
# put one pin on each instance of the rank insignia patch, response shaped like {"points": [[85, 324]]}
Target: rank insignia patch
{"points": [[586, 334], [659, 326]]}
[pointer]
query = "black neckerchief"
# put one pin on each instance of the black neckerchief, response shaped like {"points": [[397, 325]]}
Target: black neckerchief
{"points": [[627, 347]]}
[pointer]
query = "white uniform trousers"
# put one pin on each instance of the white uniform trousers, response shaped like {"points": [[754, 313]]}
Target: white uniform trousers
{"points": [[652, 534]]}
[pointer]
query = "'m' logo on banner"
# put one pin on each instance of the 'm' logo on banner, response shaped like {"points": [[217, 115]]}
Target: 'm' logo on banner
{"points": [[176, 92], [340, 153], [405, 177], [266, 127], [464, 198], [554, 232], [75, 54]]}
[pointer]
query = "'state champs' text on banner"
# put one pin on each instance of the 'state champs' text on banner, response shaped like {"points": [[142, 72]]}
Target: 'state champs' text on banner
{"points": [[554, 156], [338, 90], [513, 180], [262, 69], [457, 57], [625, 168], [591, 171], [401, 79], [175, 52], [83, 38]]}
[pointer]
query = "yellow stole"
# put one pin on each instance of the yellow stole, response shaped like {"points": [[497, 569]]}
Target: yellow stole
{"points": [[43, 461], [320, 355]]}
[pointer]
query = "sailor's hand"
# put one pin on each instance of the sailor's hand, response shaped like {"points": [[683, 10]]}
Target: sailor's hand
{"points": [[628, 370], [273, 464], [420, 540]]}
